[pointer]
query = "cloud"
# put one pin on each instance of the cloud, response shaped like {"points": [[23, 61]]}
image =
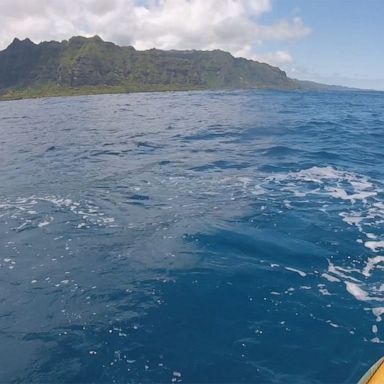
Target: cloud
{"points": [[231, 25], [276, 58]]}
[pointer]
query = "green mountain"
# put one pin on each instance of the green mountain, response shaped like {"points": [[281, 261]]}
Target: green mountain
{"points": [[90, 65]]}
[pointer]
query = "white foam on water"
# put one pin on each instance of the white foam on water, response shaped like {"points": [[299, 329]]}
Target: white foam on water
{"points": [[301, 273], [330, 182], [334, 325], [374, 246], [355, 290], [341, 272], [355, 198], [355, 280], [318, 174], [377, 312], [45, 223], [323, 290], [27, 210], [360, 205], [371, 264], [340, 193], [258, 190], [330, 278], [245, 180], [353, 219], [23, 226]]}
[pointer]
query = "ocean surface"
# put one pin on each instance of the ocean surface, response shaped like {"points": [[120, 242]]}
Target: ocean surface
{"points": [[194, 237]]}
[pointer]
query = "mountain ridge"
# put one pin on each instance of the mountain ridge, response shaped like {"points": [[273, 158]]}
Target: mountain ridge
{"points": [[90, 65]]}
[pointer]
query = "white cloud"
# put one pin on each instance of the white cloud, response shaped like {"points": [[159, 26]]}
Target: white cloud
{"points": [[276, 58], [231, 25]]}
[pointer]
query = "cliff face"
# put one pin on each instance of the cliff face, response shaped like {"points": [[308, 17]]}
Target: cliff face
{"points": [[92, 62]]}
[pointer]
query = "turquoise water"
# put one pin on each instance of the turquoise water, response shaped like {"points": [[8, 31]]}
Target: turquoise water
{"points": [[202, 237]]}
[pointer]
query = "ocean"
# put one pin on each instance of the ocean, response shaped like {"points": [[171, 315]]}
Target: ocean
{"points": [[192, 237]]}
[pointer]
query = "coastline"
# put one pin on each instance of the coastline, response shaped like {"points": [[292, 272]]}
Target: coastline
{"points": [[45, 92], [58, 91]]}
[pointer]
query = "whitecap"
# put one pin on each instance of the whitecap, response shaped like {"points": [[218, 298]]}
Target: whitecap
{"points": [[374, 245], [44, 224], [371, 264], [330, 278], [301, 273], [356, 291], [377, 312]]}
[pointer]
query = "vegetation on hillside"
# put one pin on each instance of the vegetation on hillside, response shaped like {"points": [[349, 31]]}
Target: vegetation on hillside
{"points": [[90, 65]]}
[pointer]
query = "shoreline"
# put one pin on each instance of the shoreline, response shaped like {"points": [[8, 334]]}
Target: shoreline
{"points": [[53, 92], [41, 93]]}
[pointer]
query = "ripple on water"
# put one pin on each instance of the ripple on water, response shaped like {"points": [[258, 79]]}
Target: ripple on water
{"points": [[181, 237]]}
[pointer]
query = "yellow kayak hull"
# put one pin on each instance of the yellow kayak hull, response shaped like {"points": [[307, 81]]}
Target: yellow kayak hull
{"points": [[375, 374]]}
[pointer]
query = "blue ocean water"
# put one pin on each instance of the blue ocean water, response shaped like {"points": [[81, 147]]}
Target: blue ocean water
{"points": [[196, 237]]}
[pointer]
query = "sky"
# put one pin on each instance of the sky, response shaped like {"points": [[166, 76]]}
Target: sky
{"points": [[329, 41]]}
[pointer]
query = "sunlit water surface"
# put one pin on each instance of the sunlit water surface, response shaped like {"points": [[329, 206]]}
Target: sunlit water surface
{"points": [[203, 237]]}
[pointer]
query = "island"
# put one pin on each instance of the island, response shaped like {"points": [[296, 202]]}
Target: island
{"points": [[84, 65]]}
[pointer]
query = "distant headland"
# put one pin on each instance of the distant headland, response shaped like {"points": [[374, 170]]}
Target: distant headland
{"points": [[83, 65]]}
